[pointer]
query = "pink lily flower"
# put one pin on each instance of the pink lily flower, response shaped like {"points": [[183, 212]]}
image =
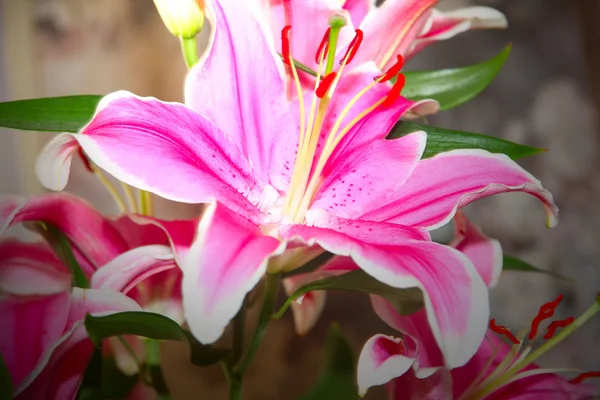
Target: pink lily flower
{"points": [[413, 365], [397, 27], [483, 252], [280, 185], [130, 255], [43, 340]]}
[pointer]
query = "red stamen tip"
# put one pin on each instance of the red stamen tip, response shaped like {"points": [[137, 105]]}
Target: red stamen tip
{"points": [[546, 311], [325, 85], [323, 47], [395, 91], [353, 47], [585, 375], [557, 324], [502, 330], [393, 71], [85, 160], [285, 45]]}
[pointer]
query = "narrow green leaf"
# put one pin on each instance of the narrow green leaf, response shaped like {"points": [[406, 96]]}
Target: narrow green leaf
{"points": [[455, 86], [53, 114], [440, 140], [516, 264], [153, 326], [6, 385], [337, 378], [406, 301]]}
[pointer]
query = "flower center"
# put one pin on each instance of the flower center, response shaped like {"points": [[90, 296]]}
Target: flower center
{"points": [[513, 367], [306, 176]]}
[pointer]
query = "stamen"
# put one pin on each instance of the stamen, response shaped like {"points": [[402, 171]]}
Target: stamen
{"points": [[325, 85], [557, 324], [502, 330], [580, 378], [323, 47], [395, 91], [546, 311], [352, 48], [285, 45], [85, 160], [392, 72]]}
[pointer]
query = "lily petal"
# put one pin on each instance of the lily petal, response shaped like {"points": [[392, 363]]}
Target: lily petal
{"points": [[90, 234], [359, 9], [31, 269], [382, 359], [456, 299], [409, 387], [226, 260], [239, 83], [393, 26], [358, 180], [306, 309], [445, 25], [440, 185], [484, 253]]}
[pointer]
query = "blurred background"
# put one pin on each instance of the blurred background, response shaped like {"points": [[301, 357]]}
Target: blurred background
{"points": [[547, 95]]}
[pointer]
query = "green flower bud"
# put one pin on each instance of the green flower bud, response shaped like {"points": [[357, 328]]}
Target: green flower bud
{"points": [[183, 18]]}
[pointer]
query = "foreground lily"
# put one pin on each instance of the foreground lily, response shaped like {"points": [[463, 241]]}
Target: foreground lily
{"points": [[397, 27], [129, 255], [288, 180], [414, 364], [43, 340]]}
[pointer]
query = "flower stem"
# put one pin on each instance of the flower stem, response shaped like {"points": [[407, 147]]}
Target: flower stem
{"points": [[189, 48], [235, 381], [155, 370], [268, 304]]}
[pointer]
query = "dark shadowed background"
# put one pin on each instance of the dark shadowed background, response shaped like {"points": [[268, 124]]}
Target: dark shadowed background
{"points": [[547, 95]]}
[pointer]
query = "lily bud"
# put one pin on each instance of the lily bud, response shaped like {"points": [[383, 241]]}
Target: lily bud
{"points": [[183, 18]]}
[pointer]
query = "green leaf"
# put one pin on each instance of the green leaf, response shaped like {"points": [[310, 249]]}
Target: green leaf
{"points": [[406, 301], [153, 326], [91, 386], [515, 264], [53, 114], [455, 86], [6, 385], [337, 378], [440, 140]]}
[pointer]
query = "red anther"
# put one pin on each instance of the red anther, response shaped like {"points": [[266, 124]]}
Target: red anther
{"points": [[395, 91], [325, 84], [393, 71], [502, 330], [353, 47], [85, 160], [585, 375], [546, 311], [323, 47], [285, 45], [557, 324]]}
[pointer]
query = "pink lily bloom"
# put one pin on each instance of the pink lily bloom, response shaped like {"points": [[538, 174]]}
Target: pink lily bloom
{"points": [[483, 252], [397, 27], [281, 185], [413, 365], [130, 255], [43, 340]]}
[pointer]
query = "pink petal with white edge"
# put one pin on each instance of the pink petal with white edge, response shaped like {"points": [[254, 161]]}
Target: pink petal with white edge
{"points": [[359, 9], [246, 82], [484, 253], [53, 164], [360, 179], [31, 269], [410, 387], [440, 185], [306, 309], [90, 234], [58, 374], [382, 359], [456, 299], [445, 25], [31, 325], [393, 26], [227, 259]]}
